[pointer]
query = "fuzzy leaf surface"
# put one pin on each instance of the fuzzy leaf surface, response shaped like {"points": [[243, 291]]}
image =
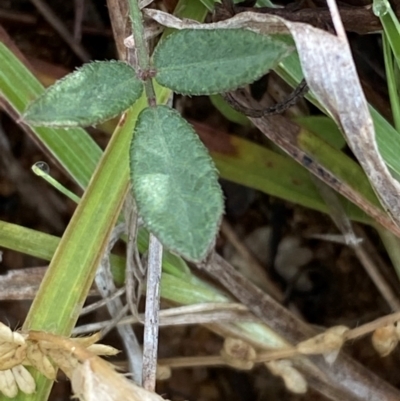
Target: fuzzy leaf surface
{"points": [[215, 61], [175, 183], [94, 93]]}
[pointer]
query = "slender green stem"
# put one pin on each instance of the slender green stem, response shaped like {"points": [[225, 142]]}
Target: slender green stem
{"points": [[142, 53], [39, 169]]}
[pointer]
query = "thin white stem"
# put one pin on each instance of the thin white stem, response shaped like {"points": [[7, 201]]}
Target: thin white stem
{"points": [[150, 341]]}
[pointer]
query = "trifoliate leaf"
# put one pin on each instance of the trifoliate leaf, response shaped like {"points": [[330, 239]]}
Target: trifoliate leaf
{"points": [[206, 62], [175, 183], [94, 93]]}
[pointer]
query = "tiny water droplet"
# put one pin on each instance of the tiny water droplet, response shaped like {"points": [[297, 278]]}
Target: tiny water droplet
{"points": [[380, 7], [43, 166]]}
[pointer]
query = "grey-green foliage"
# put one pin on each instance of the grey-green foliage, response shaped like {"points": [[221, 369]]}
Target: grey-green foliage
{"points": [[94, 93], [175, 183], [206, 62]]}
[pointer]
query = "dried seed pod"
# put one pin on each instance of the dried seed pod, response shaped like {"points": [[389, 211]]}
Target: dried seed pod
{"points": [[324, 343], [163, 372], [64, 360], [88, 340], [12, 348], [102, 349], [37, 358], [238, 353], [11, 355], [293, 379], [24, 379], [385, 340], [8, 385]]}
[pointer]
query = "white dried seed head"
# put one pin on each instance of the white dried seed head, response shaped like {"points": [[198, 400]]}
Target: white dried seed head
{"points": [[8, 384], [238, 353], [385, 340], [324, 343], [24, 379], [293, 379]]}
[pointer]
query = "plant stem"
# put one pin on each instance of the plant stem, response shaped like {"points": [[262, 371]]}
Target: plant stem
{"points": [[150, 343], [142, 54]]}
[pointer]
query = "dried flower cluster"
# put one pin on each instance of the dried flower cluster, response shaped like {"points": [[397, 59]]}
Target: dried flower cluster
{"points": [[241, 355], [18, 350], [94, 379]]}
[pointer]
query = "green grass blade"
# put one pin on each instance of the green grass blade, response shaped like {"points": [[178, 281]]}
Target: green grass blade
{"points": [[73, 148], [392, 75]]}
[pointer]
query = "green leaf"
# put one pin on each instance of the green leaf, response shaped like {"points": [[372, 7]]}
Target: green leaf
{"points": [[206, 62], [228, 111], [96, 92], [175, 183], [325, 128]]}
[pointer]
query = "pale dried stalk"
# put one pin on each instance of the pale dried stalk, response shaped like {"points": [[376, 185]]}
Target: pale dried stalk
{"points": [[106, 287], [151, 321], [184, 315]]}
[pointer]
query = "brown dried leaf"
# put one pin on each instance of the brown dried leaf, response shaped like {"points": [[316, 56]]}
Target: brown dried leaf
{"points": [[331, 75]]}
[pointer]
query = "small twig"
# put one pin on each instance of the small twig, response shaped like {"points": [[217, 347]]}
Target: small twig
{"points": [[134, 272], [143, 59], [59, 26], [96, 305], [355, 19], [79, 12], [278, 108], [150, 339], [184, 315]]}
